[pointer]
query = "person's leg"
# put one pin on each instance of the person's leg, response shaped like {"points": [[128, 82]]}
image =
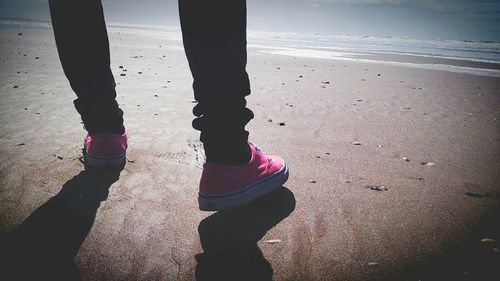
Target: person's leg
{"points": [[83, 47], [236, 172], [214, 36]]}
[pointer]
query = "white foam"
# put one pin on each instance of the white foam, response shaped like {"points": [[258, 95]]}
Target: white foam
{"points": [[347, 56]]}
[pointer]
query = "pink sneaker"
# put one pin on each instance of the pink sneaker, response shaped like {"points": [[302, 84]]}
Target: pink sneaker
{"points": [[227, 186], [105, 150]]}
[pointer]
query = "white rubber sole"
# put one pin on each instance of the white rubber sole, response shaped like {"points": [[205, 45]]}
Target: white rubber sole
{"points": [[219, 203], [104, 162]]}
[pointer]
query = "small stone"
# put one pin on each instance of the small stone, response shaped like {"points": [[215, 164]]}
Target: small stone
{"points": [[476, 194], [123, 74], [326, 82], [139, 72], [356, 143], [121, 66], [273, 241], [15, 87], [428, 163], [378, 74], [312, 181], [377, 187], [60, 157], [405, 107], [380, 146], [300, 76], [155, 96], [278, 68], [19, 34], [362, 79], [317, 156], [372, 264], [406, 159], [25, 108], [327, 153], [282, 123], [269, 120], [488, 240], [20, 144], [37, 58]]}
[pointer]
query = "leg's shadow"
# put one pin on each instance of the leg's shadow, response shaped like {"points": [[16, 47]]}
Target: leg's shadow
{"points": [[44, 245], [229, 239]]}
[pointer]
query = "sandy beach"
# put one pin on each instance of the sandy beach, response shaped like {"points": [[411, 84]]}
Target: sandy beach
{"points": [[394, 169]]}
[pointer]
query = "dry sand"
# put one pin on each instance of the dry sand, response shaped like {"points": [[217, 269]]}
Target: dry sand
{"points": [[325, 224]]}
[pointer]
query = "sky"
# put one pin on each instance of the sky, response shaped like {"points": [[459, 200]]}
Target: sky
{"points": [[441, 19]]}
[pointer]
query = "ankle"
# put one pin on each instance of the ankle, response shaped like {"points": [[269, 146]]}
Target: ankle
{"points": [[228, 155]]}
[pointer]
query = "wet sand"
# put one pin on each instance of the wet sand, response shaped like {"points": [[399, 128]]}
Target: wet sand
{"points": [[362, 201]]}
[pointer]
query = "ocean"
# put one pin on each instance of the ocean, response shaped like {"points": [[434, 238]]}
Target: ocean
{"points": [[474, 57]]}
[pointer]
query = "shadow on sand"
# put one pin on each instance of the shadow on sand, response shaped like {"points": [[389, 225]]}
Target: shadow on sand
{"points": [[44, 245], [229, 239]]}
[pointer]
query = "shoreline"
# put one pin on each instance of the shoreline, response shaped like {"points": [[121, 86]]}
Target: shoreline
{"points": [[281, 46]]}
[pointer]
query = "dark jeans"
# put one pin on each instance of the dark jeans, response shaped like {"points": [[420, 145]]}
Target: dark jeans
{"points": [[214, 36]]}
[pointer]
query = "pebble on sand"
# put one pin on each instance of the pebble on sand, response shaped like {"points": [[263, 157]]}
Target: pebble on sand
{"points": [[15, 87], [326, 82], [488, 240], [123, 74], [476, 194], [312, 181], [406, 159], [355, 143], [121, 66], [372, 264], [428, 163], [273, 241], [282, 123], [377, 187]]}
